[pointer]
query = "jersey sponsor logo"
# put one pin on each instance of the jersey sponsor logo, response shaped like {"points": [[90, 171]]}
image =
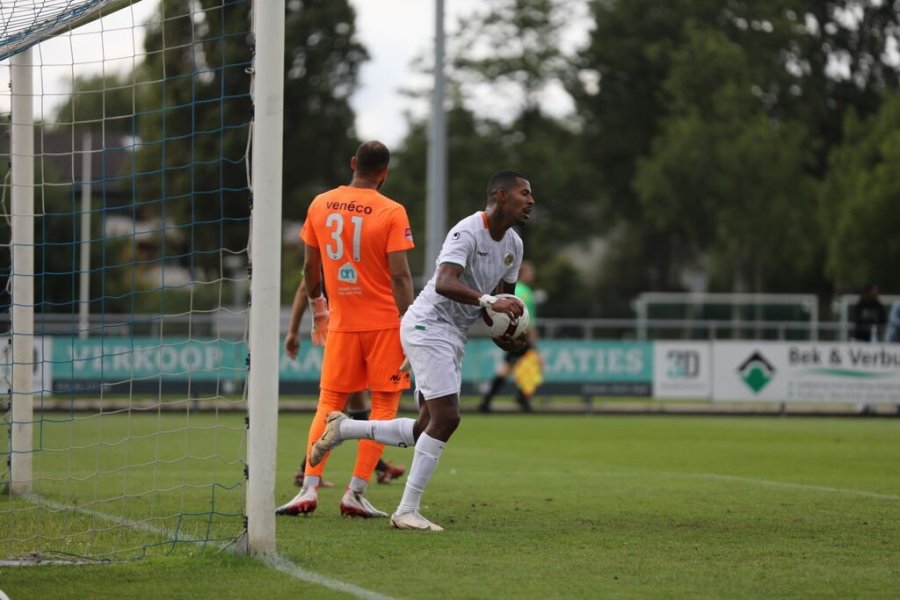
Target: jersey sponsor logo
{"points": [[408, 233], [347, 273], [455, 235], [508, 259], [349, 207], [480, 253]]}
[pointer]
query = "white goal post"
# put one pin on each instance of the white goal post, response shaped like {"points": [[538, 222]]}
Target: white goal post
{"points": [[22, 276], [265, 290]]}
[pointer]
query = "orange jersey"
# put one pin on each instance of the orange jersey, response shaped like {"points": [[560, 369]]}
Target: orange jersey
{"points": [[354, 230]]}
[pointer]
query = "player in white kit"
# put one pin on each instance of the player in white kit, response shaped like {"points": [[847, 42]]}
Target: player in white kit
{"points": [[480, 257]]}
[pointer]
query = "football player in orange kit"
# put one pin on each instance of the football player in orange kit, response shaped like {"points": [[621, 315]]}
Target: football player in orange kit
{"points": [[356, 244], [357, 403]]}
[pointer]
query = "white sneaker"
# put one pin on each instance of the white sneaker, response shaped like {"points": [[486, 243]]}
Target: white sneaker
{"points": [[303, 503], [331, 438], [354, 504], [413, 520]]}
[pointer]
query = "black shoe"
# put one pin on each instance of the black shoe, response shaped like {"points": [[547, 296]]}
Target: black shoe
{"points": [[484, 408]]}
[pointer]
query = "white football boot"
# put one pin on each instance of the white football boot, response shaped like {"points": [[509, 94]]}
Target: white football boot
{"points": [[354, 504], [413, 520], [303, 503]]}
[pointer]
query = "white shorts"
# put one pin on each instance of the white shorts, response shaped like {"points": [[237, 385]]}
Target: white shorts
{"points": [[435, 352]]}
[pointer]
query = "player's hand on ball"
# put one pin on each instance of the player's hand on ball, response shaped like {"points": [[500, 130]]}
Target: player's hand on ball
{"points": [[508, 343], [510, 305], [510, 319]]}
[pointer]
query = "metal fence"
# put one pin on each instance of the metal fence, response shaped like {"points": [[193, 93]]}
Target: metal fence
{"points": [[692, 329], [230, 325]]}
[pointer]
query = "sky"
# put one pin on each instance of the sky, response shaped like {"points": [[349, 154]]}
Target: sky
{"points": [[394, 32]]}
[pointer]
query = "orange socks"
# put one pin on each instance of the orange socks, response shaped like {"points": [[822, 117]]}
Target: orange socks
{"points": [[329, 401], [384, 407]]}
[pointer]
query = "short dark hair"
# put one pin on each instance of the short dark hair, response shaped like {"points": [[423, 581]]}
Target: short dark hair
{"points": [[502, 180], [372, 158]]}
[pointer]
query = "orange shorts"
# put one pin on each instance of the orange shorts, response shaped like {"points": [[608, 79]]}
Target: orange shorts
{"points": [[356, 360]]}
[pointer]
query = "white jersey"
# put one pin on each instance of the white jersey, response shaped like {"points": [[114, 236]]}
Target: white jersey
{"points": [[485, 263]]}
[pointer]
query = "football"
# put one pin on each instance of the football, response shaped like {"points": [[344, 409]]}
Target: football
{"points": [[499, 323]]}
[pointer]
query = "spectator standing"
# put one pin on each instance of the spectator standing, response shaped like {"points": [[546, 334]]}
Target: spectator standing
{"points": [[869, 315]]}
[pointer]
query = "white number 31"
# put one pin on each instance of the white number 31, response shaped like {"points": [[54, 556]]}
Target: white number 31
{"points": [[335, 222]]}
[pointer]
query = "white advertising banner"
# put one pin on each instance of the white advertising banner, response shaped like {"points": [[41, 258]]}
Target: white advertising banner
{"points": [[682, 370], [806, 372]]}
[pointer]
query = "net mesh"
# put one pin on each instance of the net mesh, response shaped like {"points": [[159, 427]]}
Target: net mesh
{"points": [[142, 125]]}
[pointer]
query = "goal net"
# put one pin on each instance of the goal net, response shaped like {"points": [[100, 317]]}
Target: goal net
{"points": [[127, 436]]}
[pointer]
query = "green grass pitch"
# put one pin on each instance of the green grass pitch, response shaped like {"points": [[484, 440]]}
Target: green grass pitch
{"points": [[539, 506]]}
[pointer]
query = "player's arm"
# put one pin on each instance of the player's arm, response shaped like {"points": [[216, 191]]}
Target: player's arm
{"points": [[401, 280], [298, 307], [312, 272], [312, 276], [505, 287], [449, 285]]}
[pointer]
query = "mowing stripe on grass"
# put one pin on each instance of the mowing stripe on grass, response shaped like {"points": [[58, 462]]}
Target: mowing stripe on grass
{"points": [[282, 564], [277, 562]]}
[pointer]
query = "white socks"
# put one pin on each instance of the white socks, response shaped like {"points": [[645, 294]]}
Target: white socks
{"points": [[399, 432], [428, 452], [358, 485], [396, 432]]}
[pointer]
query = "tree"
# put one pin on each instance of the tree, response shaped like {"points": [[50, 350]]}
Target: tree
{"points": [[859, 201], [617, 84], [514, 44], [840, 59], [790, 97], [722, 176]]}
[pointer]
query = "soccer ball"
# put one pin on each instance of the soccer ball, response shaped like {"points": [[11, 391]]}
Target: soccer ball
{"points": [[499, 323]]}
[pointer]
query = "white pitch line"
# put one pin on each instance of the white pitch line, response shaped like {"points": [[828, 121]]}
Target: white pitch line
{"points": [[276, 561], [784, 484], [115, 519], [282, 564]]}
